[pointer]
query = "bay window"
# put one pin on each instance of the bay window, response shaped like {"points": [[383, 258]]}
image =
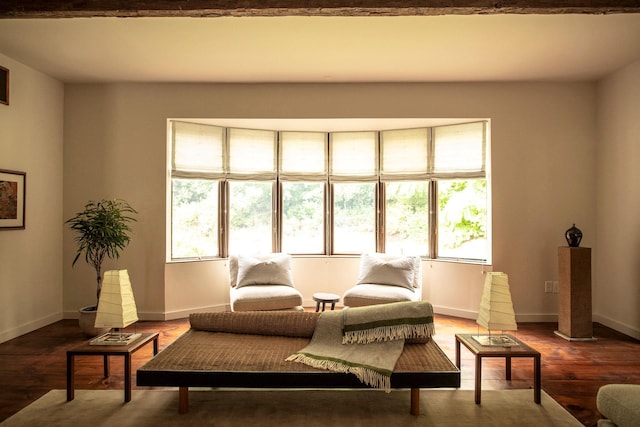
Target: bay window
{"points": [[407, 191]]}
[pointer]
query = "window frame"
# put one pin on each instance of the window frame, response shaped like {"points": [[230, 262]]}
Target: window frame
{"points": [[328, 210]]}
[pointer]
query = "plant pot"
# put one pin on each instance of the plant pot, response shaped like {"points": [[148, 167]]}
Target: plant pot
{"points": [[88, 319]]}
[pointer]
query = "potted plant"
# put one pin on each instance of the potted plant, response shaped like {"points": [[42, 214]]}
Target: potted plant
{"points": [[102, 229]]}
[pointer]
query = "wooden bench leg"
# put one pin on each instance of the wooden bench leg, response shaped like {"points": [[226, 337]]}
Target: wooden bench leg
{"points": [[415, 402], [183, 400]]}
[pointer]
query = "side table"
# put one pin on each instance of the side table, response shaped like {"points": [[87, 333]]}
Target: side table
{"points": [[324, 298], [105, 351], [519, 350]]}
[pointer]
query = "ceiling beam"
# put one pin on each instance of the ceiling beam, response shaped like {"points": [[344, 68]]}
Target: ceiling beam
{"points": [[217, 8]]}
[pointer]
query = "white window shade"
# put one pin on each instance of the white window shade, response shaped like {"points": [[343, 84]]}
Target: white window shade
{"points": [[354, 156], [198, 150], [459, 150], [405, 154], [252, 154], [303, 155]]}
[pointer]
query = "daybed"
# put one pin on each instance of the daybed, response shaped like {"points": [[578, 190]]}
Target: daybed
{"points": [[249, 349]]}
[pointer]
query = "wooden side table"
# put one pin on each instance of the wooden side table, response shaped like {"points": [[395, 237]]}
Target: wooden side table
{"points": [[105, 351], [325, 298], [519, 350]]}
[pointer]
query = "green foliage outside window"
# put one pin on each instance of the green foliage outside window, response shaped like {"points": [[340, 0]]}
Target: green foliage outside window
{"points": [[195, 223], [462, 211]]}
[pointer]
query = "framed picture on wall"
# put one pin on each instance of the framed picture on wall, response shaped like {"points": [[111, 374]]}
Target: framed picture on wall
{"points": [[4, 85], [12, 199]]}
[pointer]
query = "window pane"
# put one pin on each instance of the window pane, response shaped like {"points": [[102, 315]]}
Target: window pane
{"points": [[407, 218], [302, 217], [194, 218], [250, 219], [462, 219], [354, 220]]}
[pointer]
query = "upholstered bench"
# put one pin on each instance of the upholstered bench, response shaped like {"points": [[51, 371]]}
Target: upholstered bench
{"points": [[262, 282], [620, 404], [384, 279]]}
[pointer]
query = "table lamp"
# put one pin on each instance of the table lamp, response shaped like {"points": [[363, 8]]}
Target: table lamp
{"points": [[496, 310], [116, 309]]}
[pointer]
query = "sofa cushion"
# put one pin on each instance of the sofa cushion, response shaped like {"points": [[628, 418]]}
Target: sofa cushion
{"points": [[390, 270], [265, 297], [369, 294], [620, 403]]}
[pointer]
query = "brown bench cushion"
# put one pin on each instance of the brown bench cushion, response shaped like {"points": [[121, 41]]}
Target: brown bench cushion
{"points": [[283, 323]]}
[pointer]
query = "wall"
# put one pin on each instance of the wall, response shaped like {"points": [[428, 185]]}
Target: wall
{"points": [[31, 259], [617, 294], [542, 154]]}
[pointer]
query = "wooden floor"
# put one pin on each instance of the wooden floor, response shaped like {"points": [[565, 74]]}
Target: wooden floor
{"points": [[572, 372]]}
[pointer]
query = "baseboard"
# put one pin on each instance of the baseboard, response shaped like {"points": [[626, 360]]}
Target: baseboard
{"points": [[468, 314], [618, 326], [29, 327], [455, 312], [181, 314], [71, 314], [537, 317]]}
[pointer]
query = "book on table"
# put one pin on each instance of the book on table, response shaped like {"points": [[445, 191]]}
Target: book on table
{"points": [[495, 340], [115, 338]]}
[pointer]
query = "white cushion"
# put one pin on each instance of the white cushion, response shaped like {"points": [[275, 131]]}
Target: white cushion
{"points": [[390, 270], [370, 294], [265, 297], [270, 269]]}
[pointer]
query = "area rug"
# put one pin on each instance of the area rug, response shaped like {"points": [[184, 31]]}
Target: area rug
{"points": [[308, 408]]}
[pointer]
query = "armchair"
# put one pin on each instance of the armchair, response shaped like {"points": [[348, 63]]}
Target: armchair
{"points": [[386, 278], [262, 282], [620, 404]]}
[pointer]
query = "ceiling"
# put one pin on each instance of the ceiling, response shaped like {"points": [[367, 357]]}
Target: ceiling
{"points": [[291, 49]]}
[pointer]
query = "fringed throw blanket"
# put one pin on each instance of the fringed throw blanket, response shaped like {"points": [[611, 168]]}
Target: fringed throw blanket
{"points": [[370, 363], [384, 322], [373, 360]]}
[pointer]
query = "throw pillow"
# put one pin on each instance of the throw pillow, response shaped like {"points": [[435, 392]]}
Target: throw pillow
{"points": [[383, 269], [274, 269]]}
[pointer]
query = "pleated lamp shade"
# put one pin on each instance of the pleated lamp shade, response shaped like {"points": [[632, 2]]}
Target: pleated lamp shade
{"points": [[496, 307], [116, 307]]}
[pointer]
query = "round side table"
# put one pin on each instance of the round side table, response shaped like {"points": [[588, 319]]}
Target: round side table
{"points": [[325, 298]]}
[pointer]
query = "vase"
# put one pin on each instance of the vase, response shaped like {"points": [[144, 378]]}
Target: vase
{"points": [[87, 320], [573, 236]]}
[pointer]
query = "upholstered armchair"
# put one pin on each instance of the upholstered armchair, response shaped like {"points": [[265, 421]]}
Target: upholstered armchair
{"points": [[262, 282], [385, 278], [620, 404]]}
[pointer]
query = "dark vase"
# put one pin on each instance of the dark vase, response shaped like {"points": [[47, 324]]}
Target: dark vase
{"points": [[573, 236]]}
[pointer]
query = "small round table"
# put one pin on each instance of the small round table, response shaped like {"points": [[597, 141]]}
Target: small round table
{"points": [[324, 298]]}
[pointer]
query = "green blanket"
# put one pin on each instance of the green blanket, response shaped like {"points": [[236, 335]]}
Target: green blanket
{"points": [[384, 322], [370, 363], [366, 341]]}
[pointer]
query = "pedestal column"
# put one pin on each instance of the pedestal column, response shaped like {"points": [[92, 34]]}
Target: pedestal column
{"points": [[574, 294]]}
